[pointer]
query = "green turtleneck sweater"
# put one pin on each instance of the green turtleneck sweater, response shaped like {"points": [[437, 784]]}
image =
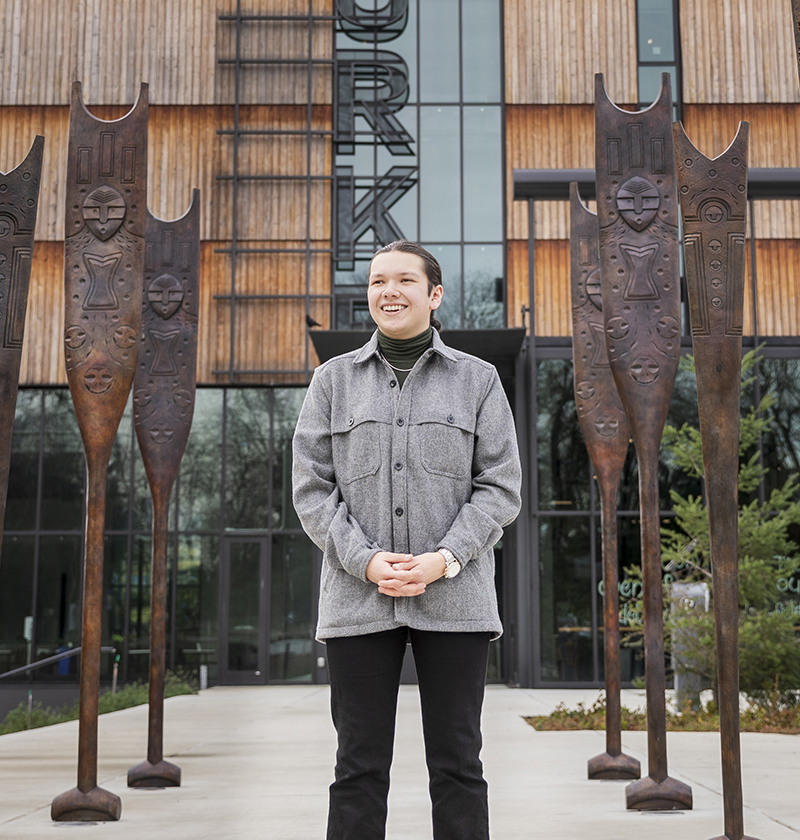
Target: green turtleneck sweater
{"points": [[402, 353]]}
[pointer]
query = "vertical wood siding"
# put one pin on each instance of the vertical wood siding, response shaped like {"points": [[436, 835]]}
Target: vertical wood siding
{"points": [[545, 137], [774, 142], [173, 44], [553, 50], [738, 51], [185, 151]]}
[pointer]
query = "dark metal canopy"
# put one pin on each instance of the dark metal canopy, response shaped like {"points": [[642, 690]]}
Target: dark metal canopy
{"points": [[553, 184], [500, 347]]}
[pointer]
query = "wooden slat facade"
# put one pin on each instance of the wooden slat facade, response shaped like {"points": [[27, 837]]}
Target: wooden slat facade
{"points": [[553, 50], [545, 137], [270, 335], [173, 44], [777, 274], [185, 151], [738, 51]]}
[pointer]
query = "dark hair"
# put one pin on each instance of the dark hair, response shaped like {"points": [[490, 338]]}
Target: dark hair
{"points": [[433, 271]]}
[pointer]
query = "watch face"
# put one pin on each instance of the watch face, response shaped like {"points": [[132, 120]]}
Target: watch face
{"points": [[452, 569]]}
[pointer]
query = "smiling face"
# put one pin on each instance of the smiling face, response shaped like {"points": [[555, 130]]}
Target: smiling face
{"points": [[398, 296]]}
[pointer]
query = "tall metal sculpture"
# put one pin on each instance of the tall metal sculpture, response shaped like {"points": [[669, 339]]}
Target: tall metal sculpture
{"points": [[713, 200], [19, 201], [606, 431], [638, 232], [103, 263], [163, 404]]}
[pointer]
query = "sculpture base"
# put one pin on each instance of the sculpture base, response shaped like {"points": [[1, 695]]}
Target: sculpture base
{"points": [[621, 766], [740, 837], [96, 805], [159, 775], [649, 795]]}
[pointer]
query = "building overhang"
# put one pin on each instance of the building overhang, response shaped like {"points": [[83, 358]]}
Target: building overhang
{"points": [[553, 184], [500, 347]]}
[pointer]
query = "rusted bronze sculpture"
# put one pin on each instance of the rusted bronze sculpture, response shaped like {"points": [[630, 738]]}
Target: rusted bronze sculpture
{"points": [[19, 201], [713, 200], [606, 431], [103, 263], [638, 233], [163, 404]]}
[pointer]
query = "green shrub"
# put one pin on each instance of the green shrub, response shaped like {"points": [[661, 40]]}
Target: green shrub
{"points": [[132, 694]]}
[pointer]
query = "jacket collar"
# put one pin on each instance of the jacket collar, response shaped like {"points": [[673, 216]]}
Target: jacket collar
{"points": [[370, 349]]}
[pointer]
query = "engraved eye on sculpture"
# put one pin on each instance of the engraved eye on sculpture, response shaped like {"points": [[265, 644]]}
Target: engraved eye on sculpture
{"points": [[161, 432], [165, 295], [617, 328], [98, 379], [644, 370], [585, 390], [667, 327], [74, 337], [142, 398], [638, 201], [6, 226], [716, 302], [125, 337], [182, 398], [606, 426], [714, 212], [594, 289], [103, 211]]}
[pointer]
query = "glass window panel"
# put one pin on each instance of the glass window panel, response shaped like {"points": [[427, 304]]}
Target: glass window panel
{"points": [[564, 467], [58, 603], [142, 512], [449, 258], [197, 586], [119, 474], [480, 46], [650, 83], [244, 607], [201, 467], [782, 440], [64, 465], [292, 628], [16, 602], [438, 51], [247, 458], [440, 175], [24, 467], [139, 615], [483, 287], [656, 30], [483, 174], [565, 597], [288, 402]]}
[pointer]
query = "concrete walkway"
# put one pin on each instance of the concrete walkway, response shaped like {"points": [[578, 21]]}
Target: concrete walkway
{"points": [[256, 763]]}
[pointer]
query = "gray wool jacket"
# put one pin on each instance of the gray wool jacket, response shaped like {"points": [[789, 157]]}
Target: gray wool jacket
{"points": [[381, 468]]}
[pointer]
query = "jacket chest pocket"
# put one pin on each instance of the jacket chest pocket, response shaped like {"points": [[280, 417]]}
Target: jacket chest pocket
{"points": [[356, 446], [446, 446]]}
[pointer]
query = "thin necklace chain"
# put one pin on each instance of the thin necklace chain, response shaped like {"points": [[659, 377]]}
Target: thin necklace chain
{"points": [[399, 370]]}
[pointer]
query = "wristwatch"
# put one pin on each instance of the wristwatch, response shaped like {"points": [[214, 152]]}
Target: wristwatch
{"points": [[452, 567]]}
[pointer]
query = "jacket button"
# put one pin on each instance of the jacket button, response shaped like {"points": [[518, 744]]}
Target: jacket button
{"points": [[351, 421], [398, 511], [450, 418], [398, 466], [400, 421], [392, 384]]}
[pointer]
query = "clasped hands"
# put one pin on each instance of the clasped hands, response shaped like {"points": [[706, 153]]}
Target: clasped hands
{"points": [[405, 575]]}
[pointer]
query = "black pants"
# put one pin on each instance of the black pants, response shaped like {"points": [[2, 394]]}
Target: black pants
{"points": [[364, 675]]}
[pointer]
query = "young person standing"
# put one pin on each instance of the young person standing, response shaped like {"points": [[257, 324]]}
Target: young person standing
{"points": [[405, 472]]}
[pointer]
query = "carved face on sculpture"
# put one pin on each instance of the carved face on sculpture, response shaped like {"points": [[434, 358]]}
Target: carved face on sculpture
{"points": [[606, 426], [103, 211], [637, 202], [165, 295]]}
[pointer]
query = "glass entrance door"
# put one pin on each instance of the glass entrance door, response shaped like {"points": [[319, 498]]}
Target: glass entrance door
{"points": [[244, 611]]}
